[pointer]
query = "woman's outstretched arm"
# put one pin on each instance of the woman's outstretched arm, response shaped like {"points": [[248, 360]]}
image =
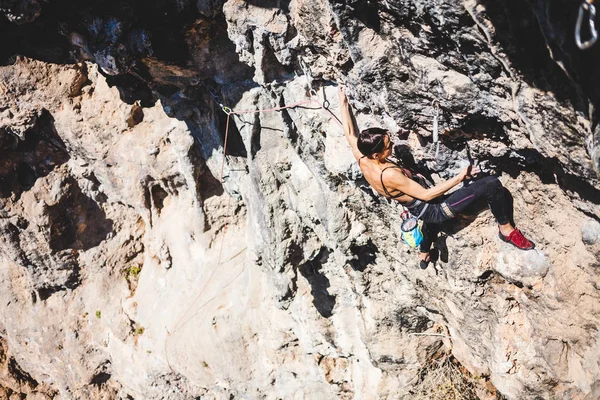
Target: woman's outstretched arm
{"points": [[348, 122]]}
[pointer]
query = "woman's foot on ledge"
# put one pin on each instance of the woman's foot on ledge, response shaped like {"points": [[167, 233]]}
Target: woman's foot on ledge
{"points": [[425, 259], [517, 239]]}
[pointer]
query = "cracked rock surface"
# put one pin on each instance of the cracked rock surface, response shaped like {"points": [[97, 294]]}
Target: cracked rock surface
{"points": [[139, 258]]}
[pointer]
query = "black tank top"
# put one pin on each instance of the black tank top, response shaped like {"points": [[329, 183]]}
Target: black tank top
{"points": [[385, 190], [383, 185]]}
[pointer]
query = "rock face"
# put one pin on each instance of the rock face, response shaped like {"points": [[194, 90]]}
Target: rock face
{"points": [[140, 259]]}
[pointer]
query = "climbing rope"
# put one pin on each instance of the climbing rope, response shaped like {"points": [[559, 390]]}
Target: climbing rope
{"points": [[214, 96], [587, 5], [229, 112]]}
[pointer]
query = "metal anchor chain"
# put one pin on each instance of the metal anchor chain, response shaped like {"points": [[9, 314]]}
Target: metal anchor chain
{"points": [[588, 6]]}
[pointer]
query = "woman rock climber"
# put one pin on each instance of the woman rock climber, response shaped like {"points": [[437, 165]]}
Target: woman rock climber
{"points": [[372, 148]]}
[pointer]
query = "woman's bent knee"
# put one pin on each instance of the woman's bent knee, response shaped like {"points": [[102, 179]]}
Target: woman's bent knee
{"points": [[491, 181], [490, 184]]}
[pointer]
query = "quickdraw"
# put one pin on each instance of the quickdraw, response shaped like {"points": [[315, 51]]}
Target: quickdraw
{"points": [[307, 74], [588, 6], [436, 136]]}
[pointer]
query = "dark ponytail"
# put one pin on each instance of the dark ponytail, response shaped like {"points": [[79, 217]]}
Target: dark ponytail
{"points": [[371, 141]]}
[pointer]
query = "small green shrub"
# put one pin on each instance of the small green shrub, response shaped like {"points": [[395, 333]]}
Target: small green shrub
{"points": [[132, 272], [98, 314]]}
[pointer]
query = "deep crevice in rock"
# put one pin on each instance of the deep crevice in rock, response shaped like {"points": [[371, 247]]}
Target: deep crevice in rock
{"points": [[77, 222], [207, 185], [283, 5], [20, 375], [367, 12], [235, 142], [158, 196], [100, 379], [319, 283], [365, 256], [23, 162], [132, 88]]}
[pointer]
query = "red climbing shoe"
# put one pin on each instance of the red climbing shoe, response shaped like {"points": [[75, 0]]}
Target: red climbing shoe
{"points": [[517, 239]]}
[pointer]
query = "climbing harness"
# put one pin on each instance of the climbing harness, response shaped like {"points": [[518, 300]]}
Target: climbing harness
{"points": [[587, 5]]}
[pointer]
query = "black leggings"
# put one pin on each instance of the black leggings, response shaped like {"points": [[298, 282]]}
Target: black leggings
{"points": [[489, 188]]}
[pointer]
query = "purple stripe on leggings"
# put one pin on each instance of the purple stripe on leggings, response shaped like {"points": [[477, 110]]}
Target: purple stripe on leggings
{"points": [[458, 202]]}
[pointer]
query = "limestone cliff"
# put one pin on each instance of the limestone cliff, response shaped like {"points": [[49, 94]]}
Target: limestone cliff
{"points": [[137, 260]]}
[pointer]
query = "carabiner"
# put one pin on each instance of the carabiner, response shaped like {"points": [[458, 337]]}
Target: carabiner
{"points": [[587, 5], [436, 137], [226, 110], [313, 93]]}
